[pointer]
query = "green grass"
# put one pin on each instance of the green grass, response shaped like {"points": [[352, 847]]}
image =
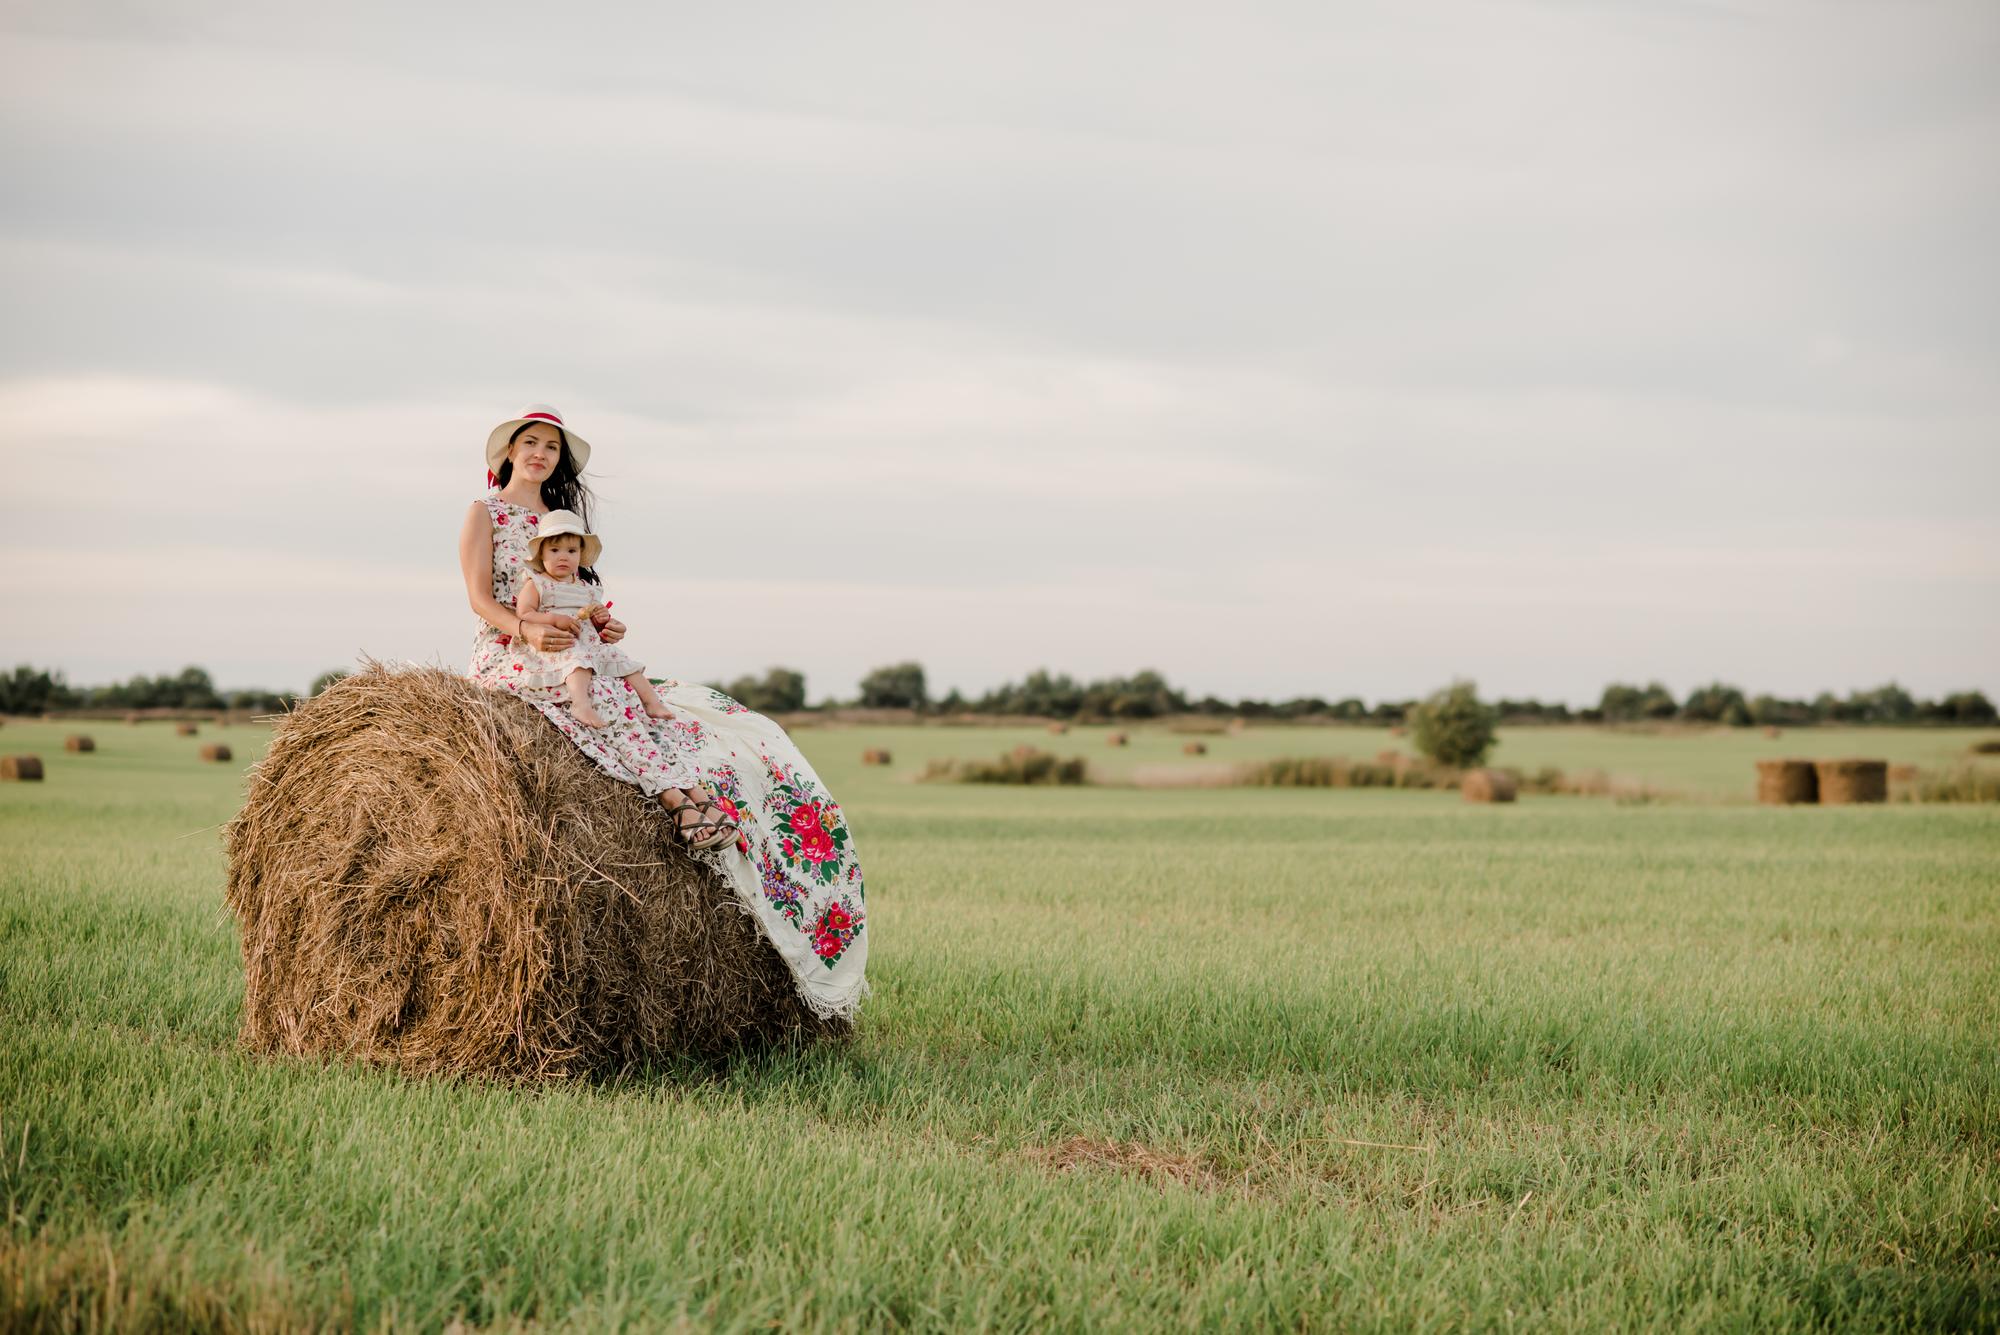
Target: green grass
{"points": [[1264, 1058]]}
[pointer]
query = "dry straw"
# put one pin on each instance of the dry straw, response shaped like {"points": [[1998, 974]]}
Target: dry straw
{"points": [[1842, 782], [26, 769], [216, 753], [426, 873], [1488, 785], [1787, 782], [77, 741]]}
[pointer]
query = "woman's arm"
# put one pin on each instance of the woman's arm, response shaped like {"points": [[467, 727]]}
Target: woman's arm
{"points": [[475, 562]]}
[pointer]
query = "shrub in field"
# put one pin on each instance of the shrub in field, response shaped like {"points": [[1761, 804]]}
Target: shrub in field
{"points": [[1962, 783], [1318, 772], [1022, 765], [1453, 727]]}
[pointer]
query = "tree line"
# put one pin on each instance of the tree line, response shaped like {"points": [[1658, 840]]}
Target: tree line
{"points": [[1142, 695]]}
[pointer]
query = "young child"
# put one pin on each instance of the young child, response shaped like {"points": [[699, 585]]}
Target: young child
{"points": [[560, 548], [553, 588]]}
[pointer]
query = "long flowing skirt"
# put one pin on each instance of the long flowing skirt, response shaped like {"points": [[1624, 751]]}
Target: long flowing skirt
{"points": [[794, 867]]}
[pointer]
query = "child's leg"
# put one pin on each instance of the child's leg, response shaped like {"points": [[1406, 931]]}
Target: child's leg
{"points": [[650, 698], [578, 685]]}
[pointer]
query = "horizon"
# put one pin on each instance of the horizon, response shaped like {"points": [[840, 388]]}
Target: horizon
{"points": [[1646, 343]]}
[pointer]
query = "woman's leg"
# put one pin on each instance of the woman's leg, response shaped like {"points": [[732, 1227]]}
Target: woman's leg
{"points": [[577, 684]]}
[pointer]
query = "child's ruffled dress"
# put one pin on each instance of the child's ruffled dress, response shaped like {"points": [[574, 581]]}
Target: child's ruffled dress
{"points": [[574, 598]]}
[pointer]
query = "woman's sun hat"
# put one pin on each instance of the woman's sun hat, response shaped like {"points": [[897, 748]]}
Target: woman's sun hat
{"points": [[496, 442], [557, 523]]}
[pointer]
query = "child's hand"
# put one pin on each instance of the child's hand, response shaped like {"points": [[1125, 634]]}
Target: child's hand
{"points": [[600, 617]]}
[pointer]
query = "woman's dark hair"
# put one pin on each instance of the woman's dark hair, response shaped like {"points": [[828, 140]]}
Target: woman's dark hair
{"points": [[562, 489]]}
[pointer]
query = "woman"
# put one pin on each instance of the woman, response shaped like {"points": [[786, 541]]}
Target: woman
{"points": [[794, 866]]}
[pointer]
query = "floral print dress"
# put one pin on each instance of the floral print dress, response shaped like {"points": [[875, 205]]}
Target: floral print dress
{"points": [[794, 867], [573, 598]]}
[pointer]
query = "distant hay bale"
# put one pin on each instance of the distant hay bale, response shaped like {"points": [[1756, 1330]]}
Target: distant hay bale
{"points": [[216, 753], [186, 729], [1845, 782], [875, 755], [1116, 739], [77, 741], [1787, 782], [1903, 774], [1488, 785], [1989, 747], [1058, 729], [1198, 726], [21, 769], [1773, 731], [1194, 748], [427, 874]]}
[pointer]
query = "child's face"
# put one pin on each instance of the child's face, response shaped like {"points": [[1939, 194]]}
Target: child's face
{"points": [[562, 555]]}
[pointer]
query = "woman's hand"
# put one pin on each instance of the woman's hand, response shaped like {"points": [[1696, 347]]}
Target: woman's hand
{"points": [[611, 630], [553, 636]]}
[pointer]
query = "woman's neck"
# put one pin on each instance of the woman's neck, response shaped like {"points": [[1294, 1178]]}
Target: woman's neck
{"points": [[527, 495]]}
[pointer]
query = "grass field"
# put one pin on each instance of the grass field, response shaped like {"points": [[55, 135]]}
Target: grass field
{"points": [[1236, 1058]]}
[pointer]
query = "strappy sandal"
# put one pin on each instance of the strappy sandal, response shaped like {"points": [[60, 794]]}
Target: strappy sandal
{"points": [[704, 831]]}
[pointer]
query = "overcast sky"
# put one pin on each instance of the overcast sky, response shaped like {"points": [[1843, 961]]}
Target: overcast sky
{"points": [[1331, 349]]}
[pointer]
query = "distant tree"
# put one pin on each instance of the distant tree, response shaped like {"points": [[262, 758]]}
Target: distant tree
{"points": [[326, 679], [1887, 703], [1621, 703], [953, 702], [30, 690], [1970, 707], [1716, 703], [898, 686], [1350, 710], [259, 701], [1453, 727], [780, 690]]}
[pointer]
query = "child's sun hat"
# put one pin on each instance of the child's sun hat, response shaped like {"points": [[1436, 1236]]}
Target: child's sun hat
{"points": [[497, 439], [556, 524]]}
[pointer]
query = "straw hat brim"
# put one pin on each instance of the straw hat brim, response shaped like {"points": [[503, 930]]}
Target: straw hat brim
{"points": [[496, 443], [563, 526]]}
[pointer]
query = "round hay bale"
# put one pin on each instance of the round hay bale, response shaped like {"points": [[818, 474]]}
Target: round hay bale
{"points": [[875, 755], [1773, 731], [1194, 748], [1116, 739], [1787, 782], [77, 741], [427, 874], [22, 769], [1488, 785], [1844, 782], [1058, 729], [185, 730], [216, 753]]}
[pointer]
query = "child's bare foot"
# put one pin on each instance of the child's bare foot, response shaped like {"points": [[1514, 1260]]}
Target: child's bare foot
{"points": [[585, 715], [649, 699]]}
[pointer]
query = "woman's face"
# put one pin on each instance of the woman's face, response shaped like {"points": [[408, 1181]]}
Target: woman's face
{"points": [[562, 555], [535, 452]]}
